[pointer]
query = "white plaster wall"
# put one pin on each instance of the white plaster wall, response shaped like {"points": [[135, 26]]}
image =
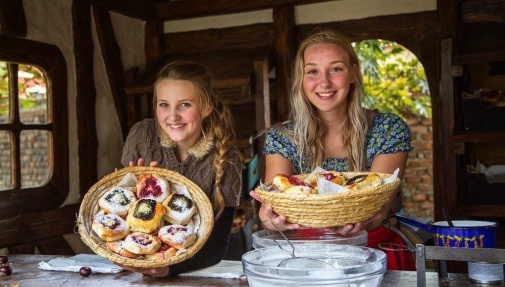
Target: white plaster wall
{"points": [[308, 14]]}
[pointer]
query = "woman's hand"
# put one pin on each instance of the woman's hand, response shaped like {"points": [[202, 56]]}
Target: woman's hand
{"points": [[140, 162], [270, 219], [155, 272]]}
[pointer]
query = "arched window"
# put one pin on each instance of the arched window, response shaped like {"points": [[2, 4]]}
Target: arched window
{"points": [[33, 127]]}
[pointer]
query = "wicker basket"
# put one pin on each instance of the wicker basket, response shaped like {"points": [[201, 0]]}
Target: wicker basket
{"points": [[325, 210], [89, 207]]}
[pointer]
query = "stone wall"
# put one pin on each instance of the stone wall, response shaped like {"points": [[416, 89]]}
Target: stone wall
{"points": [[417, 187]]}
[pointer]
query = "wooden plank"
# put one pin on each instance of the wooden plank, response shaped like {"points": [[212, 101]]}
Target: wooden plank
{"points": [[31, 227], [483, 11], [285, 47], [86, 96], [111, 55], [154, 45], [12, 18], [448, 17], [225, 39]]}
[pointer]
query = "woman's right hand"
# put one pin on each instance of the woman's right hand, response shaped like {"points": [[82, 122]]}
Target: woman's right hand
{"points": [[270, 219], [140, 162]]}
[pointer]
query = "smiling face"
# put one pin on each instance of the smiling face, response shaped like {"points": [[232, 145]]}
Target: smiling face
{"points": [[179, 111], [327, 76]]}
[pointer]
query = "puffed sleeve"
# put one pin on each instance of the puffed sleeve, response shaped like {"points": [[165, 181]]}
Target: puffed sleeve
{"points": [[277, 143], [389, 134]]}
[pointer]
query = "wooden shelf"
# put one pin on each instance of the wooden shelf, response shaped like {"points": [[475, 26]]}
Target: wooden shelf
{"points": [[478, 58], [482, 210], [475, 137]]}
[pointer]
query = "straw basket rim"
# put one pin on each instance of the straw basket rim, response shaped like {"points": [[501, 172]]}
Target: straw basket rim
{"points": [[89, 207], [326, 210]]}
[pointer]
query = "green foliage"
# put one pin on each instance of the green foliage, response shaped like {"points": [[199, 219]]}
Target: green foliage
{"points": [[394, 79]]}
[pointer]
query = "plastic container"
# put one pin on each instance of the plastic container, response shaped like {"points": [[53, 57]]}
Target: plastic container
{"points": [[353, 266], [265, 238]]}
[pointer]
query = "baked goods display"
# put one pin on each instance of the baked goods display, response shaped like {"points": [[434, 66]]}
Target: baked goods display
{"points": [[328, 198], [311, 184], [131, 230]]}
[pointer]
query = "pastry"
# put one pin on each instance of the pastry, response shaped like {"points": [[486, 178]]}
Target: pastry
{"points": [[141, 243], [363, 181], [283, 182], [164, 252], [145, 215], [177, 236], [300, 189], [117, 247], [152, 186], [179, 209], [117, 200], [333, 176], [110, 227]]}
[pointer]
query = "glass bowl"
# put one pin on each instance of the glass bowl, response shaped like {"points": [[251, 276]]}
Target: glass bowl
{"points": [[265, 238], [353, 266]]}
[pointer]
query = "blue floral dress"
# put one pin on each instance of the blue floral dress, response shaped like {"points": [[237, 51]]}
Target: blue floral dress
{"points": [[387, 134]]}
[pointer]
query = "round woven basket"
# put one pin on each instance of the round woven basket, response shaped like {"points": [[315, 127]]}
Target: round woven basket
{"points": [[325, 210], [89, 207]]}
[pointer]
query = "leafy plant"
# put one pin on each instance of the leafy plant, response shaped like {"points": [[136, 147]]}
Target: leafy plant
{"points": [[394, 79]]}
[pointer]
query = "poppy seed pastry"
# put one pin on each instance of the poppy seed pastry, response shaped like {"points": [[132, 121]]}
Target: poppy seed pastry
{"points": [[178, 236], [117, 247], [152, 186], [179, 209], [117, 200], [145, 215], [141, 243], [110, 227]]}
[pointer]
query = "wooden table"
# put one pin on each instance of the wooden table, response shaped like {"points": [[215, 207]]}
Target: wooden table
{"points": [[26, 274]]}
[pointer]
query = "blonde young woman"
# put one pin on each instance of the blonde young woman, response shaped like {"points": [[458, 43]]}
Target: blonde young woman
{"points": [[191, 134], [328, 127]]}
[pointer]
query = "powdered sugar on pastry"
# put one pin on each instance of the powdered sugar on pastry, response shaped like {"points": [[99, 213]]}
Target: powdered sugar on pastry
{"points": [[152, 186]]}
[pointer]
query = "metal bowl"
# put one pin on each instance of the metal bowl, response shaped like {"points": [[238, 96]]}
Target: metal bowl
{"points": [[353, 266], [265, 238]]}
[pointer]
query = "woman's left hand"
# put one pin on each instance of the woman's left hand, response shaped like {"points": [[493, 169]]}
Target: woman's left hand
{"points": [[155, 272]]}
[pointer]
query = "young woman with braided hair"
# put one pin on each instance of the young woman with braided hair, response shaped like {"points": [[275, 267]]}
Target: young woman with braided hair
{"points": [[191, 134]]}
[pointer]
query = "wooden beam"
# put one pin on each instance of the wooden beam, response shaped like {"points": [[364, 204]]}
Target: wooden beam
{"points": [[483, 11], [144, 10], [174, 10], [111, 55], [285, 47], [154, 44], [31, 227], [55, 246], [448, 17], [12, 18], [225, 39], [86, 96], [262, 94]]}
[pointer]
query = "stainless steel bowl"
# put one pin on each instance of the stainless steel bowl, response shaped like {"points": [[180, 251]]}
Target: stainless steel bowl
{"points": [[265, 238], [354, 266]]}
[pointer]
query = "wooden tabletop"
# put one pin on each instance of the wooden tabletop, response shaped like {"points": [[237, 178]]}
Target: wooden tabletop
{"points": [[25, 273]]}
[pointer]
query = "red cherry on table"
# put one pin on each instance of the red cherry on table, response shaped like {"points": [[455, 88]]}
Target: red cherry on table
{"points": [[3, 259], [6, 269], [85, 271]]}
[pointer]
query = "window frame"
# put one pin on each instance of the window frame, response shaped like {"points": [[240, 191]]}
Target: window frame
{"points": [[51, 195]]}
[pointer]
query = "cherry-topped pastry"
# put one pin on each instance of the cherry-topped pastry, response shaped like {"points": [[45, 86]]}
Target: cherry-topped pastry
{"points": [[110, 227], [141, 243], [152, 186]]}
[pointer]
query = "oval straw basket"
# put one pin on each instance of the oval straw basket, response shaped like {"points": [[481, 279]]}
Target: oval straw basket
{"points": [[89, 207], [325, 210]]}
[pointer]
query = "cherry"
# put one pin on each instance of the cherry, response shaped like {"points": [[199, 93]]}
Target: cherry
{"points": [[85, 271], [3, 259], [6, 269]]}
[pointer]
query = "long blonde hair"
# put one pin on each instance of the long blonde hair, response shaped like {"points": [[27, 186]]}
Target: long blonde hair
{"points": [[309, 132], [219, 123]]}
